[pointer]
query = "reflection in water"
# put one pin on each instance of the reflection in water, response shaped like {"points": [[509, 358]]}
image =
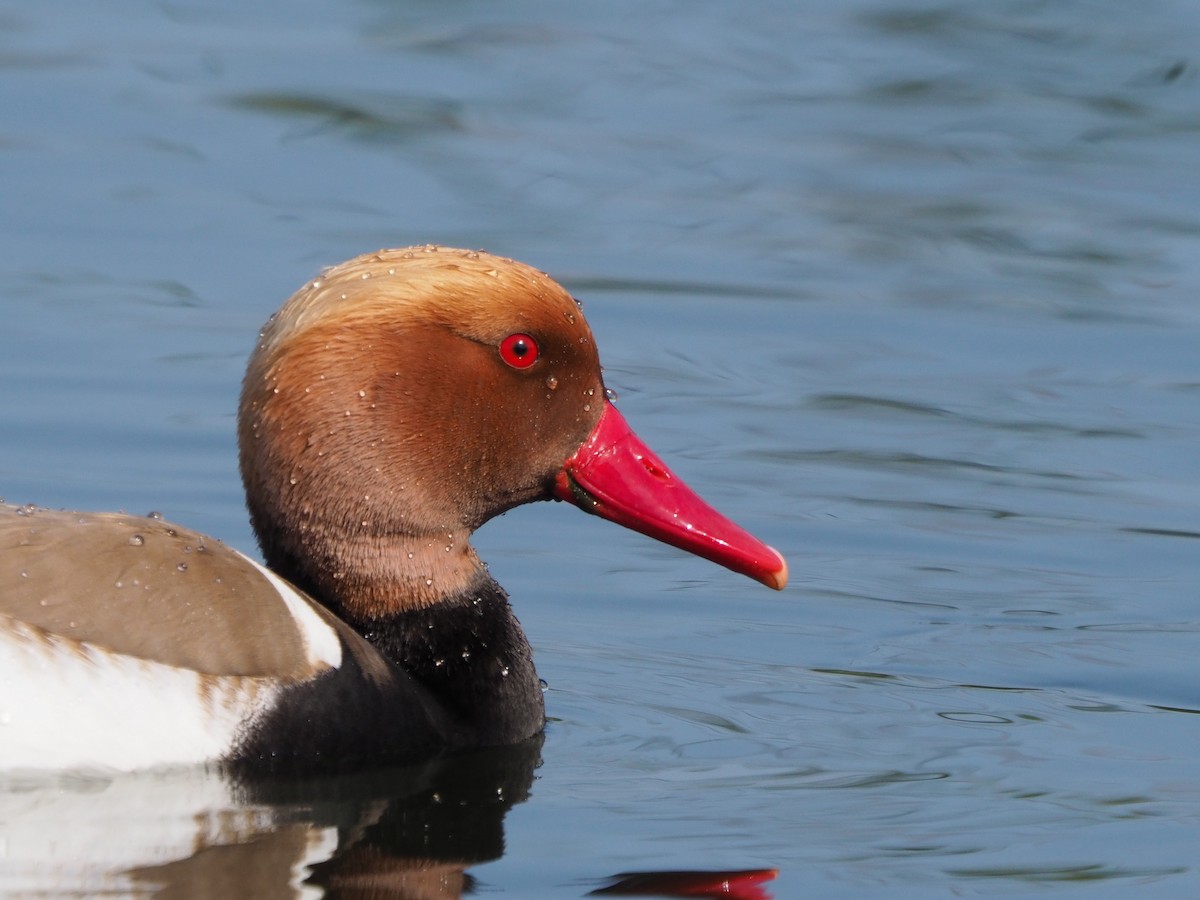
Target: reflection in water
{"points": [[190, 834], [408, 832], [742, 885]]}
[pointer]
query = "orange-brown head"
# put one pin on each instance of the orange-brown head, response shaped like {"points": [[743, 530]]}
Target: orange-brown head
{"points": [[401, 399]]}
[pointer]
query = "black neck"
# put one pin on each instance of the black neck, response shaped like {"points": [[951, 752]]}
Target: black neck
{"points": [[469, 651]]}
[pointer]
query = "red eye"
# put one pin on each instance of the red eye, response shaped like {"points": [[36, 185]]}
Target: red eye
{"points": [[519, 350]]}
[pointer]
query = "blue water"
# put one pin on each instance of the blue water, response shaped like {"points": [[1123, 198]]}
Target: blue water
{"points": [[909, 290]]}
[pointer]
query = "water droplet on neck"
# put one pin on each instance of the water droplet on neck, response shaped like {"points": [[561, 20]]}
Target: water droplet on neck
{"points": [[610, 395]]}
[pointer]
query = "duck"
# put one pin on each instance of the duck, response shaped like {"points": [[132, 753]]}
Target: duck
{"points": [[391, 406]]}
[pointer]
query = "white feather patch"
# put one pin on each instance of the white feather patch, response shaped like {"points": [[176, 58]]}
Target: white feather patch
{"points": [[320, 640], [66, 704]]}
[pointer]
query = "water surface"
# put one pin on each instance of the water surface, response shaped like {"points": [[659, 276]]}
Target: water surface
{"points": [[909, 290]]}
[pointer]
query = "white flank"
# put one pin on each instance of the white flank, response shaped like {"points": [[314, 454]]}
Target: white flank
{"points": [[320, 640], [66, 704]]}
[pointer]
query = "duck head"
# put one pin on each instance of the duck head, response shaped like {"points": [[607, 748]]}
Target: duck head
{"points": [[401, 399]]}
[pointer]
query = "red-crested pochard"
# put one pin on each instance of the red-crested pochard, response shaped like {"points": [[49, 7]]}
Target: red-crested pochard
{"points": [[392, 406]]}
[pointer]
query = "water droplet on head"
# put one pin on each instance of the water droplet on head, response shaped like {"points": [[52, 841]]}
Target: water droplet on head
{"points": [[610, 395], [551, 382], [182, 567], [136, 540]]}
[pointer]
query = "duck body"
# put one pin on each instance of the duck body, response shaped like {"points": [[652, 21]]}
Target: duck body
{"points": [[391, 406], [205, 656]]}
